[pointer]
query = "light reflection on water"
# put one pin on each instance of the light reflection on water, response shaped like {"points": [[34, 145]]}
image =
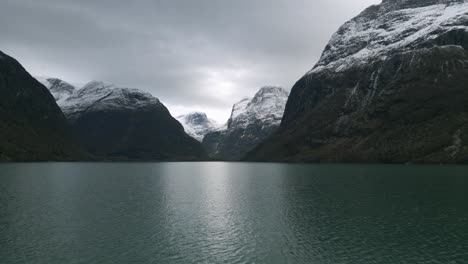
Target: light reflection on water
{"points": [[232, 213]]}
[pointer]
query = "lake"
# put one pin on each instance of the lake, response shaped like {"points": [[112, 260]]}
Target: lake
{"points": [[232, 213]]}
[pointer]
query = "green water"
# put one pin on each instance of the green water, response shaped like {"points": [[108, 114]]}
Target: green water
{"points": [[232, 213]]}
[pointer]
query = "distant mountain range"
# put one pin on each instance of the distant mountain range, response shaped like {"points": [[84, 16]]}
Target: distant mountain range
{"points": [[252, 120], [391, 87]]}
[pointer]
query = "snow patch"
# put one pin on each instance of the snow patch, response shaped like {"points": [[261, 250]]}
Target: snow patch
{"points": [[369, 37], [266, 106], [98, 96], [197, 125]]}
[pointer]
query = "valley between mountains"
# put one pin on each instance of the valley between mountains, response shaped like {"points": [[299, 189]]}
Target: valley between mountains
{"points": [[390, 87]]}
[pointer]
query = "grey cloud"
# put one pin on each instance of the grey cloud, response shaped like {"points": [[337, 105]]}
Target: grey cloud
{"points": [[191, 54]]}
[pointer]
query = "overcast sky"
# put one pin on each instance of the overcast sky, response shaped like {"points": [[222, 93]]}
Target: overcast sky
{"points": [[194, 55]]}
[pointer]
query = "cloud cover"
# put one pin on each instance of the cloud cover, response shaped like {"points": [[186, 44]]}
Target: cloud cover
{"points": [[192, 54]]}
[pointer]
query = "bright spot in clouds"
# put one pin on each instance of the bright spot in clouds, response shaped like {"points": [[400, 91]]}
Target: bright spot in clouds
{"points": [[199, 55]]}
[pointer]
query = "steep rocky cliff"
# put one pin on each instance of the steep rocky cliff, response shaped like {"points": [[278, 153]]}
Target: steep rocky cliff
{"points": [[391, 86], [197, 125], [252, 121]]}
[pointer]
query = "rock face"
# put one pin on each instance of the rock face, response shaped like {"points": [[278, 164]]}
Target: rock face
{"points": [[391, 86], [32, 127], [197, 125], [251, 122], [61, 90], [124, 124]]}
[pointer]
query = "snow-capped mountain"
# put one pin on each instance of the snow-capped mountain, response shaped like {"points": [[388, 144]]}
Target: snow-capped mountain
{"points": [[394, 26], [252, 120], [61, 90], [389, 87], [266, 106], [197, 124], [124, 123], [101, 96]]}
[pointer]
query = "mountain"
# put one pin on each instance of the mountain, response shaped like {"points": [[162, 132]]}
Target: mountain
{"points": [[197, 125], [61, 90], [32, 127], [252, 121], [391, 86], [116, 123]]}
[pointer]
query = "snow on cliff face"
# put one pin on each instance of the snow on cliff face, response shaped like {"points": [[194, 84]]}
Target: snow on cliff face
{"points": [[115, 123], [395, 25], [61, 90], [197, 125], [266, 106], [252, 121], [100, 96], [390, 87]]}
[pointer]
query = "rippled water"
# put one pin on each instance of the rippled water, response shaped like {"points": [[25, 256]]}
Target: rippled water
{"points": [[232, 213]]}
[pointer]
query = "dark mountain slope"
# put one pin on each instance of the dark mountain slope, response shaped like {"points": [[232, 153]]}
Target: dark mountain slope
{"points": [[391, 86], [32, 127]]}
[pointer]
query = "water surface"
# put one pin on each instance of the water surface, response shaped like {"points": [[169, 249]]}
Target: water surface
{"points": [[232, 213]]}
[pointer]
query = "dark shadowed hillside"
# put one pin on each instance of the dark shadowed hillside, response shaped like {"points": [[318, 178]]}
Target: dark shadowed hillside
{"points": [[32, 127]]}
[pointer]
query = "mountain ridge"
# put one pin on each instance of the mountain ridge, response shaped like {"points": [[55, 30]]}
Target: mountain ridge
{"points": [[390, 87], [252, 120], [115, 123], [197, 124]]}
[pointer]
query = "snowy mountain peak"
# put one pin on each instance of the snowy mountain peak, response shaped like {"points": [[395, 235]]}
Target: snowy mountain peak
{"points": [[252, 121], [401, 4], [267, 93], [195, 118], [197, 124], [267, 105], [240, 107], [60, 89], [97, 88], [104, 90], [393, 26], [58, 84], [96, 96], [271, 89], [97, 85]]}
